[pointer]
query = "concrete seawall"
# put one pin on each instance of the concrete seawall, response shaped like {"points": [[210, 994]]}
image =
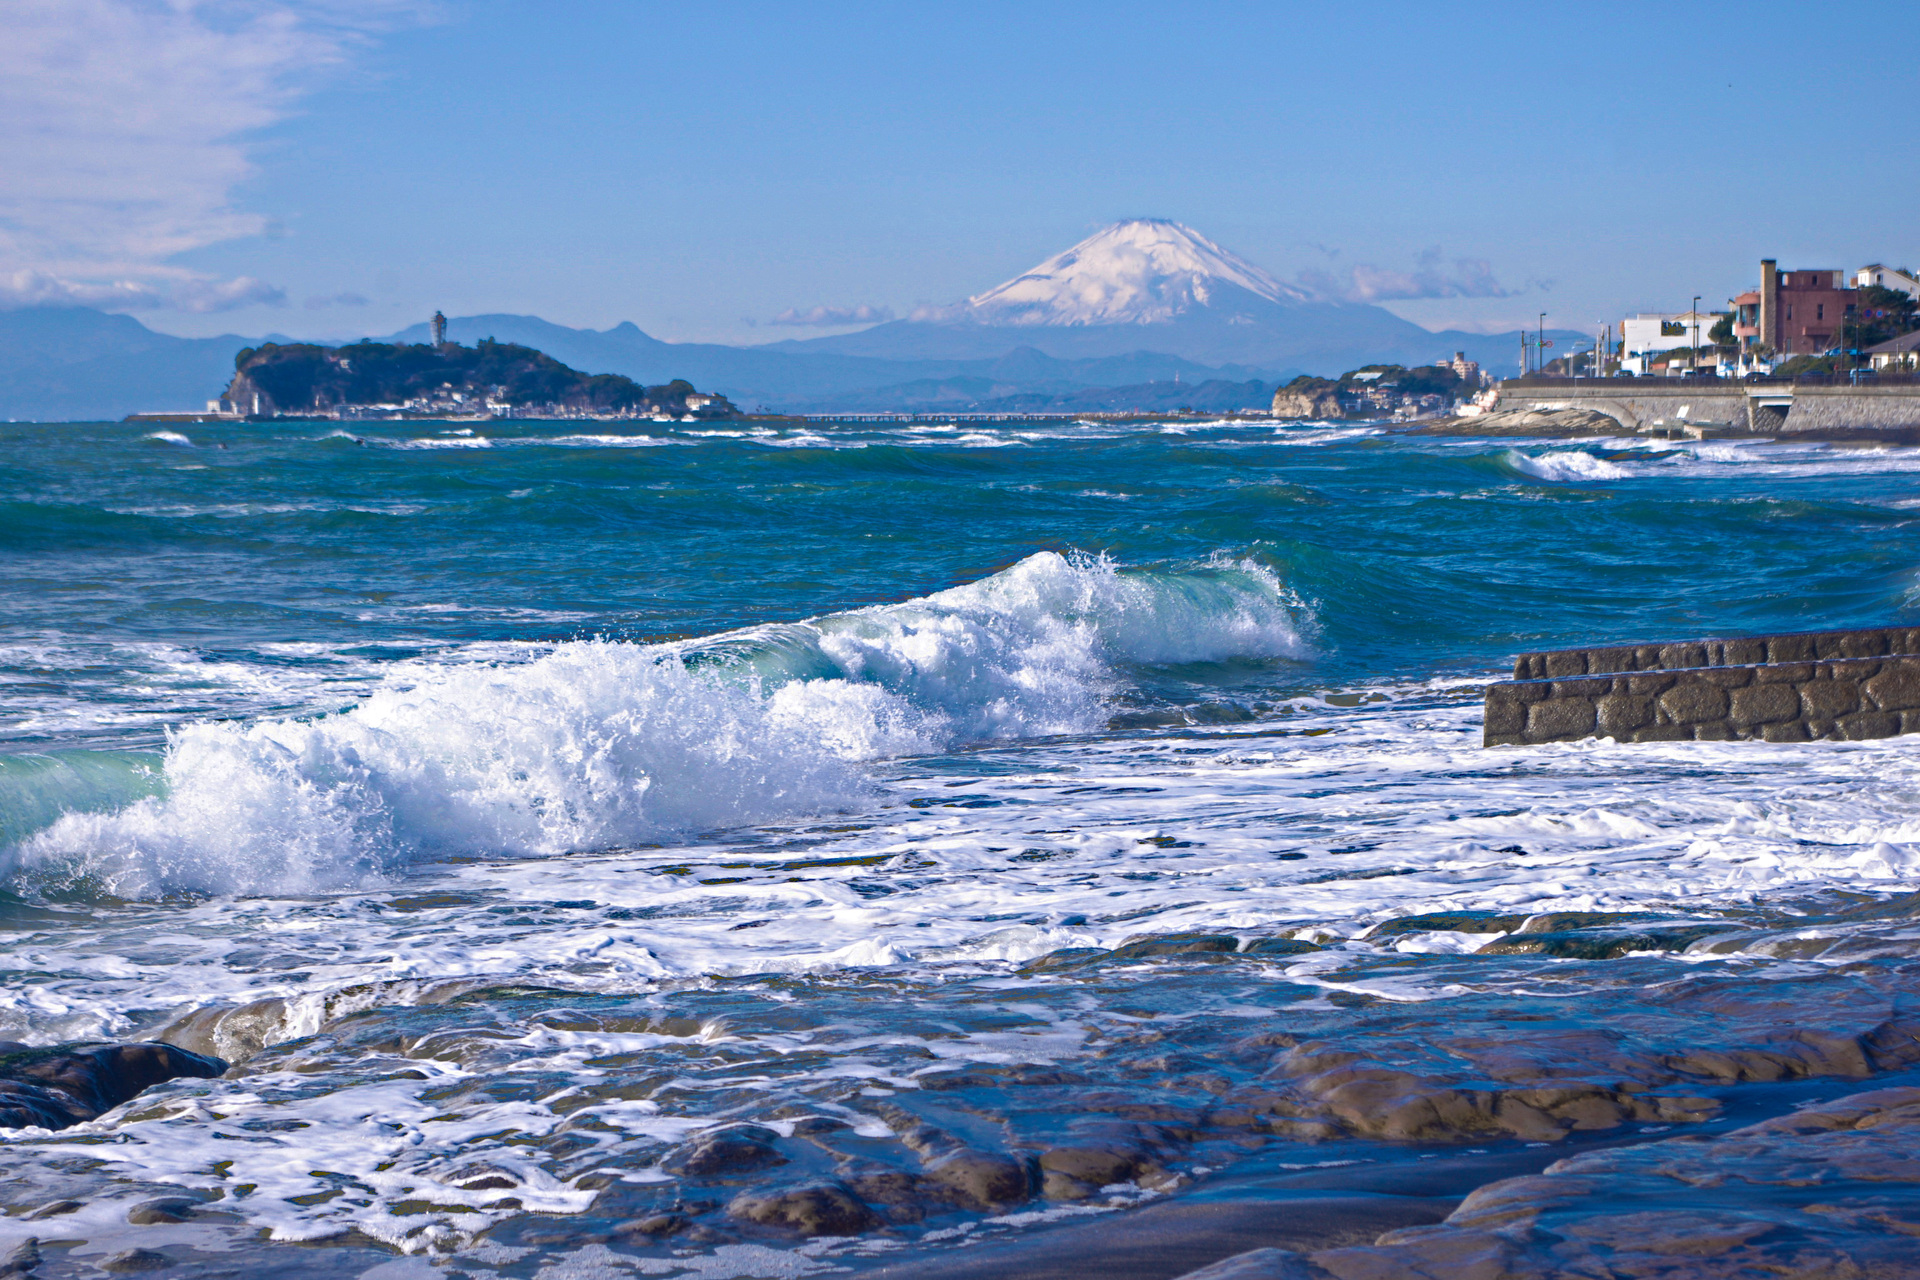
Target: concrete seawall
{"points": [[1788, 688], [1645, 405], [1736, 651]]}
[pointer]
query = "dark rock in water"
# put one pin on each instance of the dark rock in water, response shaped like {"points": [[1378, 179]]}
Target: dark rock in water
{"points": [[169, 1209], [21, 1262], [135, 1260], [980, 1179], [1281, 947], [57, 1087], [1449, 922], [818, 1209], [1175, 944], [897, 1191], [234, 1033], [54, 1209], [654, 1226], [1097, 1166], [726, 1151], [1065, 958], [1603, 944], [1829, 1191]]}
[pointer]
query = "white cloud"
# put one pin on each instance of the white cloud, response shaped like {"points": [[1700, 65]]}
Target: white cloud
{"points": [[1431, 277], [160, 288], [127, 131], [830, 317]]}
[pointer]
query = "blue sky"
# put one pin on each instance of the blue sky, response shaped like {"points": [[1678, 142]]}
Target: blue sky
{"points": [[338, 167]]}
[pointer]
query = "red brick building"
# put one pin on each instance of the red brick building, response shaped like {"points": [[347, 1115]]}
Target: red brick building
{"points": [[1800, 311]]}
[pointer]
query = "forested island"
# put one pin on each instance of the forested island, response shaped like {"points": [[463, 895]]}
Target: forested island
{"points": [[444, 380]]}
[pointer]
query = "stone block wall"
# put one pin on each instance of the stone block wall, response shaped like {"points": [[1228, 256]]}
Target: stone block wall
{"points": [[1851, 698], [1738, 651]]}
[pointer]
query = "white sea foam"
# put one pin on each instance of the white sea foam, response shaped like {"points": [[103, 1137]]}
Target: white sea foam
{"points": [[169, 437], [598, 744]]}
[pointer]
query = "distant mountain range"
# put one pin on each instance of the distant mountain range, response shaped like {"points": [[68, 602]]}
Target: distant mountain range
{"points": [[1145, 311]]}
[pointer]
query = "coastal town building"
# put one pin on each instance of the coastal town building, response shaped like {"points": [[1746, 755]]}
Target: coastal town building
{"points": [[1896, 355], [1468, 371], [1801, 311], [1901, 280]]}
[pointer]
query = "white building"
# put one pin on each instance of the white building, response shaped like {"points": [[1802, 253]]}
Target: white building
{"points": [[1887, 278], [1647, 335]]}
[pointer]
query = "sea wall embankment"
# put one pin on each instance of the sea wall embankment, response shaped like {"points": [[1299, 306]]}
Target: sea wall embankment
{"points": [[1724, 406], [1783, 688]]}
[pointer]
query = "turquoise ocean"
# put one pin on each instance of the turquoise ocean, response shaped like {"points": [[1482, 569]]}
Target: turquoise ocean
{"points": [[573, 831]]}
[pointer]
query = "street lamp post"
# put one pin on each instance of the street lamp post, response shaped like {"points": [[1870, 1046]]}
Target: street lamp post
{"points": [[1695, 316]]}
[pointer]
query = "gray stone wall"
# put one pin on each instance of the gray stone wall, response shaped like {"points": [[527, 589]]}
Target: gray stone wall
{"points": [[1841, 409], [1779, 702], [1738, 651], [1735, 407]]}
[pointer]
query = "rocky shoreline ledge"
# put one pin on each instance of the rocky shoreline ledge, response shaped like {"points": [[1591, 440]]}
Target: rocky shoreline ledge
{"points": [[1316, 1131]]}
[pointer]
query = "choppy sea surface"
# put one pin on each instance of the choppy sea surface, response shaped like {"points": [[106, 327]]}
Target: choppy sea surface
{"points": [[753, 850]]}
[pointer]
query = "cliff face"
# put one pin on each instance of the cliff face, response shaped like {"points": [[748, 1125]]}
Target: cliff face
{"points": [[497, 378], [1308, 398]]}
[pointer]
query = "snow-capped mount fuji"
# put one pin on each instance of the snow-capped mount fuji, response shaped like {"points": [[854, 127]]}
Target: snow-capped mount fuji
{"points": [[1154, 285], [1145, 271]]}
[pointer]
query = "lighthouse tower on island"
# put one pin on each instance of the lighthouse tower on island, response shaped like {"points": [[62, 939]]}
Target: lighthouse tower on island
{"points": [[439, 325]]}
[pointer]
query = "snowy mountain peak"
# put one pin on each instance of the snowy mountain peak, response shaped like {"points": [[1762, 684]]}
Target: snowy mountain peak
{"points": [[1144, 271]]}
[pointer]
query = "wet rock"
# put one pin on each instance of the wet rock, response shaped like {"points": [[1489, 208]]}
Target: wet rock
{"points": [[1065, 958], [1448, 922], [1281, 947], [1828, 1192], [1097, 1166], [980, 1179], [167, 1209], [725, 1152], [54, 1088], [231, 1033], [54, 1209], [1059, 1186], [134, 1260], [1174, 944], [1260, 1264], [810, 1126], [816, 1209], [1604, 944], [22, 1261], [895, 1189], [655, 1226]]}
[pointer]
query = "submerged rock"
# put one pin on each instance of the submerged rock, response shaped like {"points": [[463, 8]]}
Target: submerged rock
{"points": [[818, 1209], [1832, 1191], [717, 1154], [53, 1088]]}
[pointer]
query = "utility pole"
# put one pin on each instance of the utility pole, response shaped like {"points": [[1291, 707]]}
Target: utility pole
{"points": [[1540, 342]]}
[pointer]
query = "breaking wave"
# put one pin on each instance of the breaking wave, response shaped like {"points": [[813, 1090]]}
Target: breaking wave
{"points": [[598, 744], [1566, 465]]}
